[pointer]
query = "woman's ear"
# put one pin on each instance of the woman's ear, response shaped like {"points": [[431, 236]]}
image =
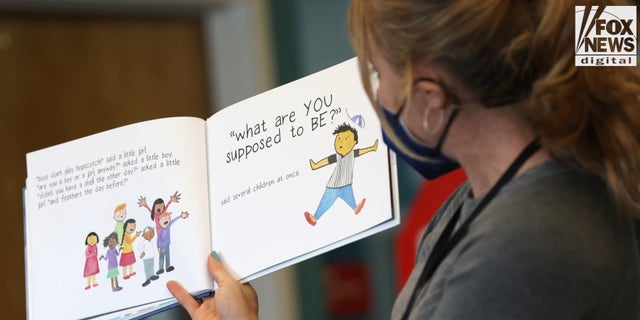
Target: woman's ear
{"points": [[433, 100], [431, 95]]}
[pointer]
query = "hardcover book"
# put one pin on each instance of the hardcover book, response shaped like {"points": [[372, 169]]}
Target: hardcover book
{"points": [[268, 182]]}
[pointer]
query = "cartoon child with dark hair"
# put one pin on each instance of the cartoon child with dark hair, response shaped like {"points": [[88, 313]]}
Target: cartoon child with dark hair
{"points": [[128, 257], [158, 207], [147, 254], [112, 260], [91, 267], [340, 182], [164, 240], [119, 214]]}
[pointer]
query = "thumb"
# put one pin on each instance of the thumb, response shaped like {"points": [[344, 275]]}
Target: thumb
{"points": [[218, 271]]}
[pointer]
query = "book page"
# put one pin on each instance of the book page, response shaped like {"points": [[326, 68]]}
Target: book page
{"points": [[93, 245], [296, 170]]}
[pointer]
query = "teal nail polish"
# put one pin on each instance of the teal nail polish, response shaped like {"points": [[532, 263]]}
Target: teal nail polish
{"points": [[215, 255]]}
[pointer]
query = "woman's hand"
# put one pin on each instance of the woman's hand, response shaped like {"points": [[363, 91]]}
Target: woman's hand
{"points": [[232, 300]]}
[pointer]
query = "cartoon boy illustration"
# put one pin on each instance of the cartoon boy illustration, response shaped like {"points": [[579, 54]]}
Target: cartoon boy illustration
{"points": [[147, 254], [112, 260], [119, 213], [339, 185], [164, 240], [158, 207]]}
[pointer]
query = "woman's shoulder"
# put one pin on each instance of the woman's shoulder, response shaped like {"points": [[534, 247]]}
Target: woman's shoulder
{"points": [[560, 211], [552, 232], [556, 191]]}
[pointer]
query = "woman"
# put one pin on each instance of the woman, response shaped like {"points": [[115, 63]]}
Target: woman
{"points": [[544, 227]]}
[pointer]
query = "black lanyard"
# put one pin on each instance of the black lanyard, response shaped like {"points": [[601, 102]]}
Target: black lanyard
{"points": [[446, 242]]}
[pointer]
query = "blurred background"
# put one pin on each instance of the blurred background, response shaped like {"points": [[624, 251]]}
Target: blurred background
{"points": [[70, 68]]}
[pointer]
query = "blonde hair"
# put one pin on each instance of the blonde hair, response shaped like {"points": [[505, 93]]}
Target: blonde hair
{"points": [[517, 51]]}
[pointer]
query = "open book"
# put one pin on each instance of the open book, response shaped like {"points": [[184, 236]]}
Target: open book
{"points": [[268, 182]]}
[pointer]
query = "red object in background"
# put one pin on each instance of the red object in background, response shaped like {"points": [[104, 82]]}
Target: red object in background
{"points": [[428, 199], [348, 288]]}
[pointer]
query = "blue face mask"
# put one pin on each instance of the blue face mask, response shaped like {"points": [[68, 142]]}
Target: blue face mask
{"points": [[440, 164]]}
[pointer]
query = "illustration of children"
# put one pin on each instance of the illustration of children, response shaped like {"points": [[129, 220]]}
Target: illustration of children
{"points": [[158, 207], [164, 240], [91, 267], [112, 260], [340, 182], [147, 254], [128, 257], [119, 213]]}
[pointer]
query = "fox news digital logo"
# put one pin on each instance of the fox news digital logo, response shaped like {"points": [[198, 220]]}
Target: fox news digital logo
{"points": [[606, 36]]}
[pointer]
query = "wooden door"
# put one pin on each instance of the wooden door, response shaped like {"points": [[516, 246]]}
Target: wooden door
{"points": [[64, 77]]}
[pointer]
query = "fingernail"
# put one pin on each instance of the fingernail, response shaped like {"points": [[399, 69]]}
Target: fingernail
{"points": [[215, 255]]}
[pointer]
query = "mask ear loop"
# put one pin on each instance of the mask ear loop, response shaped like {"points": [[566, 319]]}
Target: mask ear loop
{"points": [[425, 122], [438, 146]]}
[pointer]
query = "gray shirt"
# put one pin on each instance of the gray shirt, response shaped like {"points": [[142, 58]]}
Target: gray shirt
{"points": [[550, 245]]}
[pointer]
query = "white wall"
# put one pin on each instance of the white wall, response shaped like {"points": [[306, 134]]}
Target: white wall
{"points": [[238, 40]]}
